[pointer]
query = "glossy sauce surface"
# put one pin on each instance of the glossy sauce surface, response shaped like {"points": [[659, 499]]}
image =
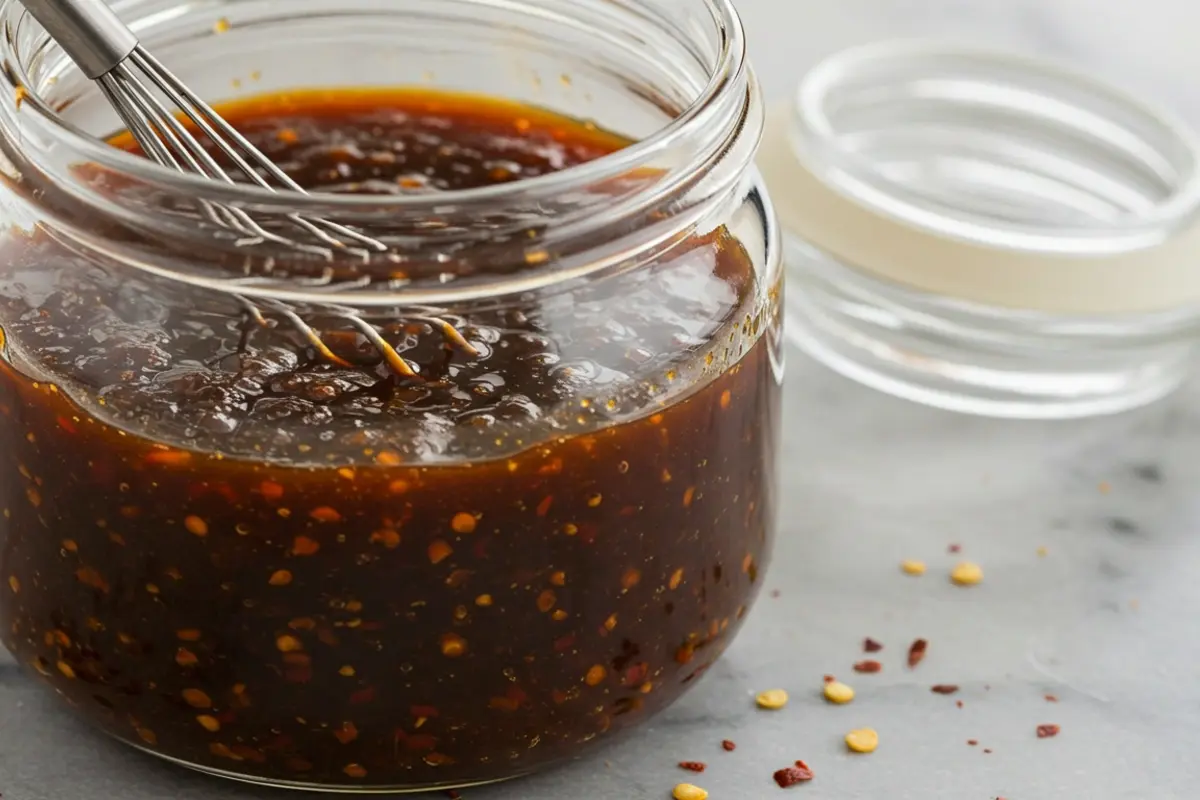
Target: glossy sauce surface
{"points": [[228, 549]]}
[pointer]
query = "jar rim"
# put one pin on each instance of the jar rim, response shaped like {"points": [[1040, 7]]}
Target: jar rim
{"points": [[1058, 99], [726, 77]]}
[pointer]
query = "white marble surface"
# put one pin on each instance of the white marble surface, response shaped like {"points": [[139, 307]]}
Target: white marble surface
{"points": [[1105, 621]]}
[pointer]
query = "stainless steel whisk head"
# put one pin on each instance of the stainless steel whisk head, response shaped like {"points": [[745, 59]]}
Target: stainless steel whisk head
{"points": [[110, 54]]}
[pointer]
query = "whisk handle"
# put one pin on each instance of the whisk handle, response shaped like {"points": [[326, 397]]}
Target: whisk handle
{"points": [[93, 36]]}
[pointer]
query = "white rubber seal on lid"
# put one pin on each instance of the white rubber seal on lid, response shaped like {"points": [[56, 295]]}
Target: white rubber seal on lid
{"points": [[989, 178]]}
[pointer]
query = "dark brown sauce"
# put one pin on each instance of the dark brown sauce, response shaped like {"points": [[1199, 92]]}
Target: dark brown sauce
{"points": [[222, 547]]}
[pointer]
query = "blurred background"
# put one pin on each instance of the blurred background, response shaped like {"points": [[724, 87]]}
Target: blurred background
{"points": [[1149, 47]]}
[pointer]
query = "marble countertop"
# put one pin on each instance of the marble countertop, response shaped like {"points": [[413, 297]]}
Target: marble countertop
{"points": [[1105, 620]]}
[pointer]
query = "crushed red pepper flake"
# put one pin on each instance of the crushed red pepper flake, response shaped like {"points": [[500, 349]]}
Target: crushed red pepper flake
{"points": [[972, 742], [790, 776], [281, 577], [944, 688], [453, 645], [916, 652], [305, 546], [1047, 731], [728, 746], [195, 525], [388, 537], [196, 698], [288, 643], [346, 733], [185, 657], [439, 551], [1051, 698], [868, 667], [325, 514], [463, 522], [90, 577], [871, 646], [693, 766], [954, 548]]}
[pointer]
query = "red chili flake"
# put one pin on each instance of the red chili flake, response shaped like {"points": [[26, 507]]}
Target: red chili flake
{"points": [[1047, 731], [453, 795], [988, 751], [868, 667], [790, 776], [944, 688], [636, 675], [543, 507], [66, 425], [1051, 698], [972, 742], [429, 712], [871, 646], [958, 703], [362, 696], [693, 766], [955, 548], [916, 653], [728, 746], [830, 679]]}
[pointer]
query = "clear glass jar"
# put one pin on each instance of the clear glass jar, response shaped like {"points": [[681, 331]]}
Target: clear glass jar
{"points": [[221, 548], [988, 232]]}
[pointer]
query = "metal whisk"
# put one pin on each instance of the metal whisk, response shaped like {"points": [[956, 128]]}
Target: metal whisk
{"points": [[109, 53]]}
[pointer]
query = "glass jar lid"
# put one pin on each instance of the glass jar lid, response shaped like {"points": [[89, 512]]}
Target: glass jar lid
{"points": [[989, 178]]}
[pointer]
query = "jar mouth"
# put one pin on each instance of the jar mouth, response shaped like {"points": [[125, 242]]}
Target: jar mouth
{"points": [[996, 149], [726, 79]]}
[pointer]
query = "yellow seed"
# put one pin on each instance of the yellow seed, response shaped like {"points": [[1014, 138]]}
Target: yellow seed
{"points": [[484, 600], [838, 692], [772, 699], [195, 525], [595, 676], [864, 740], [14, 584], [346, 671], [911, 567], [288, 644], [280, 578], [222, 26], [1043, 552], [209, 723], [65, 669], [966, 574], [686, 791]]}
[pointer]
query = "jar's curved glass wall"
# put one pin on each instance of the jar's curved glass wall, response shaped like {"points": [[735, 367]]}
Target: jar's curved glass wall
{"points": [[230, 553]]}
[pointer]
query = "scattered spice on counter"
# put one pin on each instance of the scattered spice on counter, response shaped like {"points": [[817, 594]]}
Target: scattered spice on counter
{"points": [[829, 679], [838, 693], [958, 703], [693, 766], [686, 791], [1043, 552], [863, 740], [868, 667], [973, 742], [772, 699], [987, 751], [966, 573], [954, 548], [775, 594], [1047, 731], [871, 646], [728, 746], [1105, 487], [912, 567], [790, 776], [944, 688], [1051, 698], [916, 652]]}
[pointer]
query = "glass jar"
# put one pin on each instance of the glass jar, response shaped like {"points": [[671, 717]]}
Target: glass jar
{"points": [[224, 547]]}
